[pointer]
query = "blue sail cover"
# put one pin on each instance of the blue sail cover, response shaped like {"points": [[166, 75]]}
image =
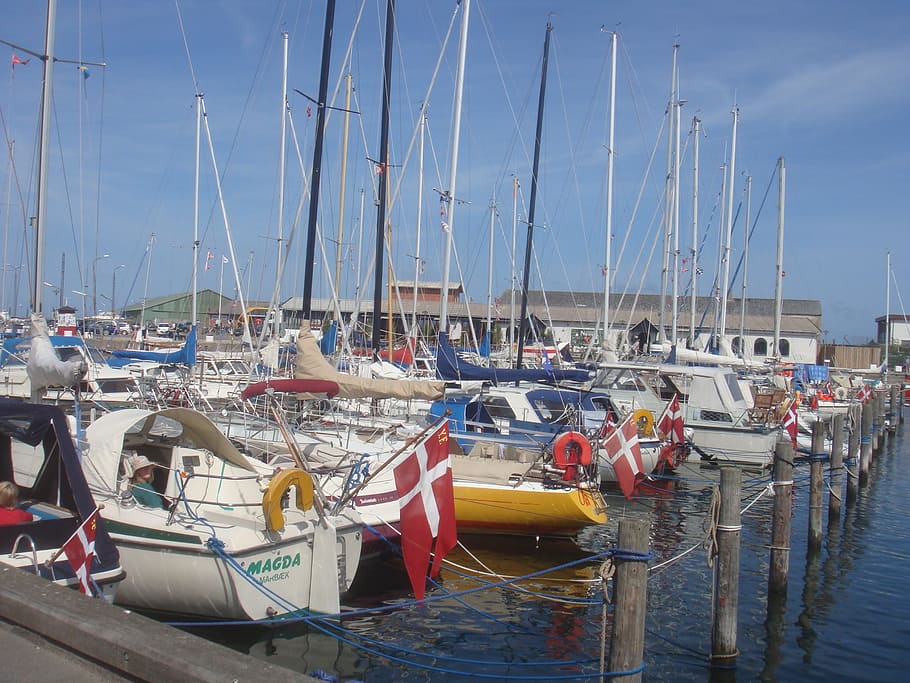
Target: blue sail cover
{"points": [[450, 367], [185, 355]]}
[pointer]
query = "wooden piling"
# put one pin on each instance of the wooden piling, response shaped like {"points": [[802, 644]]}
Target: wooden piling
{"points": [[780, 523], [726, 593], [876, 421], [894, 410], [836, 468], [865, 441], [627, 644], [816, 481], [852, 464]]}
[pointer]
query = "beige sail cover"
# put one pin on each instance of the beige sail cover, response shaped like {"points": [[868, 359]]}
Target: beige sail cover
{"points": [[312, 365]]}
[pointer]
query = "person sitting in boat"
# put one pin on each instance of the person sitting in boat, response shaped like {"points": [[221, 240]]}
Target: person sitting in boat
{"points": [[141, 482], [10, 512]]}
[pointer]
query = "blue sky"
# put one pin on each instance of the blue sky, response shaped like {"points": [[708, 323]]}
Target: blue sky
{"points": [[822, 84]]}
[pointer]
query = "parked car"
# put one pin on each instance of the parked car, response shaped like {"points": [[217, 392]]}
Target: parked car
{"points": [[163, 330]]}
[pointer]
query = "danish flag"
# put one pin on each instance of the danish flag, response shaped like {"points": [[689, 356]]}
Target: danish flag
{"points": [[670, 428], [426, 498], [790, 423], [864, 394], [80, 549], [624, 454]]}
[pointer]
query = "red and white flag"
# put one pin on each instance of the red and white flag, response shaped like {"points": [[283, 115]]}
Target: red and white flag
{"points": [[670, 425], [624, 454], [864, 394], [790, 423], [670, 428], [426, 498], [80, 549]]}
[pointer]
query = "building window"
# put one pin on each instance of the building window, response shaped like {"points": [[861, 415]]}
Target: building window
{"points": [[784, 348], [736, 344], [761, 347]]}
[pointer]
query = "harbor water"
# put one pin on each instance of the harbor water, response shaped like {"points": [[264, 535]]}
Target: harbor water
{"points": [[844, 617]]}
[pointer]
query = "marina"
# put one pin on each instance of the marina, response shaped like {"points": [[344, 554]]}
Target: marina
{"points": [[617, 432]]}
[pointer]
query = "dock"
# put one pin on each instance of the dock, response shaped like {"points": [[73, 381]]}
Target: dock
{"points": [[48, 632]]}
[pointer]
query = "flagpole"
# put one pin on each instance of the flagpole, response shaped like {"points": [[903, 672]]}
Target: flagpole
{"points": [[59, 552], [407, 444]]}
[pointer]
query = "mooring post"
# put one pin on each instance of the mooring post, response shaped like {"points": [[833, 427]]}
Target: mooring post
{"points": [[865, 457], [726, 593], [876, 421], [816, 481], [852, 462], [894, 410], [627, 644], [780, 523], [837, 468]]}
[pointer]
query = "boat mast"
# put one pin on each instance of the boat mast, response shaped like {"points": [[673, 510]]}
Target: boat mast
{"points": [[674, 317], [276, 323], [423, 124], [448, 197], [778, 285], [729, 231], [742, 303], [513, 281], [37, 305], [668, 201], [696, 128], [529, 245], [608, 271], [317, 160], [490, 273], [196, 207], [384, 168], [342, 188], [887, 308]]}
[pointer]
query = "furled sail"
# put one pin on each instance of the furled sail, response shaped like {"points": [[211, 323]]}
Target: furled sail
{"points": [[312, 365]]}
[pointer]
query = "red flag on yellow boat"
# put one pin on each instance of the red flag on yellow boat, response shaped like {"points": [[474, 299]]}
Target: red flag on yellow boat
{"points": [[426, 498], [80, 549], [624, 454]]}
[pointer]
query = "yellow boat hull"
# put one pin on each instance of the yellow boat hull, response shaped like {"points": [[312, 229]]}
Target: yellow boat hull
{"points": [[527, 510]]}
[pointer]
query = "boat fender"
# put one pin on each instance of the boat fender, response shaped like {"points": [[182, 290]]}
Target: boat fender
{"points": [[840, 393], [278, 486], [644, 419], [571, 448]]}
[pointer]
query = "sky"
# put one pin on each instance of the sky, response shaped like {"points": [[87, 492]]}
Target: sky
{"points": [[822, 85]]}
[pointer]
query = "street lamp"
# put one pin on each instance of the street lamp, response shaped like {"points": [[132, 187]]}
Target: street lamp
{"points": [[83, 294], [95, 282], [114, 291]]}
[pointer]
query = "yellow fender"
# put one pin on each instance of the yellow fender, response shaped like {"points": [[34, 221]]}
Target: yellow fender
{"points": [[644, 418], [281, 482]]}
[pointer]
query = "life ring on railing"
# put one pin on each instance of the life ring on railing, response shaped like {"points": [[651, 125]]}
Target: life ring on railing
{"points": [[571, 448], [644, 420], [281, 482], [176, 398]]}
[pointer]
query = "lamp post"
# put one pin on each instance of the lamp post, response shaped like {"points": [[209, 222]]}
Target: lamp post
{"points": [[95, 282], [114, 313]]}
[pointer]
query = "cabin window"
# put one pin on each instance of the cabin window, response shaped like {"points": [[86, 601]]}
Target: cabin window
{"points": [[498, 407], [760, 348], [552, 411], [784, 348], [734, 387], [715, 416]]}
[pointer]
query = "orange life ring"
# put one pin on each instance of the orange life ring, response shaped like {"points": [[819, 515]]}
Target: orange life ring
{"points": [[571, 448]]}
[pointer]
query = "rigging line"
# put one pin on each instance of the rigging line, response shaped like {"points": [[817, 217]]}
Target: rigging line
{"points": [[467, 302], [764, 198], [899, 298]]}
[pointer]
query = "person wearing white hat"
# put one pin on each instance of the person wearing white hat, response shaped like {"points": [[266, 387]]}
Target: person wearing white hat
{"points": [[141, 482]]}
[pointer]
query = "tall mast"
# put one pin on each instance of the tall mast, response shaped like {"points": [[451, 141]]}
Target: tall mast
{"points": [[317, 160], [674, 317], [342, 188], [608, 268], [529, 245], [887, 308], [276, 323], [449, 196], [514, 276], [668, 200], [742, 302], [696, 128], [423, 124], [729, 230], [384, 167], [778, 285], [37, 305], [196, 206], [490, 273]]}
